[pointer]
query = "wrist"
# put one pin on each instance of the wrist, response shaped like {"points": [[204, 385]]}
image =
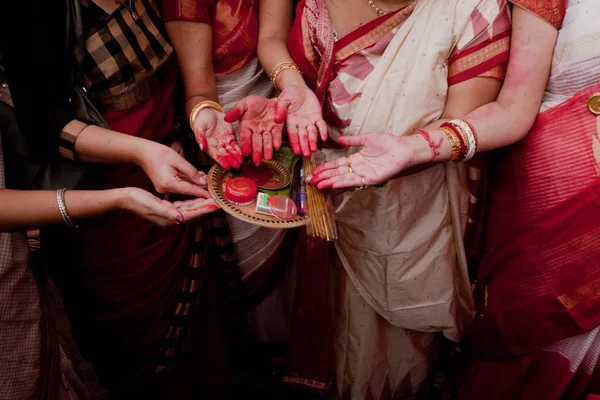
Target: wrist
{"points": [[119, 198], [143, 153], [421, 151], [288, 78], [194, 100]]}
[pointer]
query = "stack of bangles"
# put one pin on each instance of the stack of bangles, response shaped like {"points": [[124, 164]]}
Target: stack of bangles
{"points": [[279, 68], [199, 107], [462, 137]]}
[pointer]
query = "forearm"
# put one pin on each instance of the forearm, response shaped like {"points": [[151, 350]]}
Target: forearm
{"points": [[96, 144], [275, 24], [22, 210], [193, 43]]}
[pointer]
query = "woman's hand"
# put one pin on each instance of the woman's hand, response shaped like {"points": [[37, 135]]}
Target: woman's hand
{"points": [[217, 138], [300, 108], [162, 212], [382, 157], [259, 133], [170, 172]]}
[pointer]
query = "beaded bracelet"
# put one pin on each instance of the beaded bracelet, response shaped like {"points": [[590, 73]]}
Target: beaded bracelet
{"points": [[433, 145]]}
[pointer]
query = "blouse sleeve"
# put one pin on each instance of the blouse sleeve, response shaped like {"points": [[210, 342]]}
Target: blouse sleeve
{"points": [[188, 10], [551, 11], [483, 47]]}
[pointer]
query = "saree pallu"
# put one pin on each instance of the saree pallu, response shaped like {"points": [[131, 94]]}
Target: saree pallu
{"points": [[538, 291], [537, 294], [401, 273]]}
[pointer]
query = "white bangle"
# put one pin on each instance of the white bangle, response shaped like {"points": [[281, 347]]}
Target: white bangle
{"points": [[60, 198], [472, 142]]}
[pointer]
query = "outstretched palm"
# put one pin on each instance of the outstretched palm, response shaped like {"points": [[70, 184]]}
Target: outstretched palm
{"points": [[300, 108], [382, 157], [217, 138], [259, 133]]}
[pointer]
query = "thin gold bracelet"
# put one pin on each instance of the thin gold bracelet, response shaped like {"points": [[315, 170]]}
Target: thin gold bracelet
{"points": [[282, 67], [200, 106]]}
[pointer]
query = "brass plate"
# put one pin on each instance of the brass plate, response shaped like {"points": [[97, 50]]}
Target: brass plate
{"points": [[216, 186], [281, 176]]}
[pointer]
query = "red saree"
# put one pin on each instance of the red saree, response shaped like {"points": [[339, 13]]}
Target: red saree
{"points": [[536, 333], [543, 227], [234, 23]]}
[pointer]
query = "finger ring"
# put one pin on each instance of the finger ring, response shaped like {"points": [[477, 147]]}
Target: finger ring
{"points": [[364, 184]]}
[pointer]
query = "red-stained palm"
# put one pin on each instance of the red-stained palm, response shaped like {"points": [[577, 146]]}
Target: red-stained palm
{"points": [[299, 107], [260, 135], [217, 138]]}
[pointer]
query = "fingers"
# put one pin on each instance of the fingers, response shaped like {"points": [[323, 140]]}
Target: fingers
{"points": [[236, 113], [292, 132], [312, 138], [222, 157], [202, 142], [246, 139], [322, 127], [234, 156], [342, 161], [354, 140], [257, 148], [281, 110], [181, 186], [277, 133], [315, 179], [198, 208], [166, 210], [189, 171], [303, 136], [341, 181], [267, 145], [203, 181]]}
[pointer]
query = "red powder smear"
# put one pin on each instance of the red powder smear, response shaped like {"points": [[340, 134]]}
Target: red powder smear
{"points": [[241, 191], [260, 175]]}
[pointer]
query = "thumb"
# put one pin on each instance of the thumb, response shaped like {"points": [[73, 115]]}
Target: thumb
{"points": [[202, 142], [348, 141], [281, 110], [237, 112], [189, 171]]}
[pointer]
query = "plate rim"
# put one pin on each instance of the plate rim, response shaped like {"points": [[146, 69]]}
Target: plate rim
{"points": [[232, 210]]}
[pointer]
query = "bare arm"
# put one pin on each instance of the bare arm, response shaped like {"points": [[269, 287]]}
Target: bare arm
{"points": [[275, 21], [508, 119], [193, 43], [23, 210]]}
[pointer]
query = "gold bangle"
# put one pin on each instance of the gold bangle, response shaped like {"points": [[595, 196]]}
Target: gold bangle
{"points": [[454, 141], [282, 67], [199, 107]]}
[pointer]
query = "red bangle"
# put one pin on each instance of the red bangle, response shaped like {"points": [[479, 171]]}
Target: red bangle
{"points": [[464, 146], [434, 147]]}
